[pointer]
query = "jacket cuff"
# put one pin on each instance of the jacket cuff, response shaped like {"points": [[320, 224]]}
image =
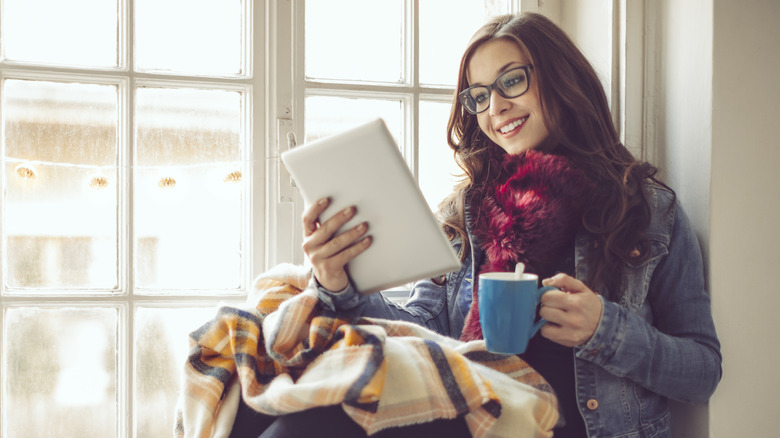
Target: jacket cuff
{"points": [[343, 299], [605, 340]]}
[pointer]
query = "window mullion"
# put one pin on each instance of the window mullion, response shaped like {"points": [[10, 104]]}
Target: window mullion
{"points": [[125, 257], [126, 369], [126, 247], [413, 103], [256, 109], [284, 116], [299, 116]]}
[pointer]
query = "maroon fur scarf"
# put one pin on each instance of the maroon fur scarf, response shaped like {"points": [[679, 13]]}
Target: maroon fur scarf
{"points": [[529, 214]]}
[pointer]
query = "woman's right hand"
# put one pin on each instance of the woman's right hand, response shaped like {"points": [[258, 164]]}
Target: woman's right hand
{"points": [[330, 254]]}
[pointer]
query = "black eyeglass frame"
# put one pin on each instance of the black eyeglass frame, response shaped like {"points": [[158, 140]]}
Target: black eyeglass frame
{"points": [[465, 95]]}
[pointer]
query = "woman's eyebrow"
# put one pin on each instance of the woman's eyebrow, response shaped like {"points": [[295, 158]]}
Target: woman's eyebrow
{"points": [[501, 70], [509, 65]]}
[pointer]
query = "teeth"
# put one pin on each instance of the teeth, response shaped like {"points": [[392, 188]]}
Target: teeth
{"points": [[512, 125]]}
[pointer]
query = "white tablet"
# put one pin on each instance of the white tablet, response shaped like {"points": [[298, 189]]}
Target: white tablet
{"points": [[364, 167]]}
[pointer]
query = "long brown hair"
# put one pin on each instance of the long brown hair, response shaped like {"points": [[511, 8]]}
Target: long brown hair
{"points": [[577, 115]]}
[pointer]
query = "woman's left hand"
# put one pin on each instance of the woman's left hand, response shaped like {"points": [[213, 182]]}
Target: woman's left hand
{"points": [[572, 313]]}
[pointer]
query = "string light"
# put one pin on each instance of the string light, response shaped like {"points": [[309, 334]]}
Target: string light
{"points": [[98, 182], [166, 182], [25, 171], [233, 177]]}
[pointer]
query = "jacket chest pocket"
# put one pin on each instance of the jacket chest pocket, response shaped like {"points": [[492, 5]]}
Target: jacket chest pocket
{"points": [[636, 276]]}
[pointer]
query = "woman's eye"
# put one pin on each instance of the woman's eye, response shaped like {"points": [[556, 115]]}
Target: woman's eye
{"points": [[481, 97], [513, 81]]}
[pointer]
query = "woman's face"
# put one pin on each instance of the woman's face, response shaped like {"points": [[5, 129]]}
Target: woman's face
{"points": [[515, 124]]}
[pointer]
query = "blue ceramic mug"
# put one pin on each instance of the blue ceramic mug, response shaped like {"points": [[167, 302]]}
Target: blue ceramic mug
{"points": [[507, 310]]}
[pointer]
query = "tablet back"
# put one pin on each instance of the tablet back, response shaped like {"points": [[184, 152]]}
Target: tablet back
{"points": [[364, 167]]}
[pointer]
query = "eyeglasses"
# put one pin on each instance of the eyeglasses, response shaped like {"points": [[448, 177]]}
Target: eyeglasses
{"points": [[511, 83]]}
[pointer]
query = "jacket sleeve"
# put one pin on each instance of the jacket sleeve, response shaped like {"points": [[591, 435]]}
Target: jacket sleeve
{"points": [[427, 305], [677, 354]]}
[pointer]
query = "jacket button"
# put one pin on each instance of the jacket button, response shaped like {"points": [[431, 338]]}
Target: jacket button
{"points": [[592, 404]]}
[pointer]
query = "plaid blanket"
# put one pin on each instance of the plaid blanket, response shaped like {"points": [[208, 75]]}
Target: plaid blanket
{"points": [[285, 353]]}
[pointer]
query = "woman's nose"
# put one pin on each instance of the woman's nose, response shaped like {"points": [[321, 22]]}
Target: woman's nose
{"points": [[498, 103]]}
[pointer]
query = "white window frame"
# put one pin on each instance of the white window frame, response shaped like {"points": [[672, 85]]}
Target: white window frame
{"points": [[276, 75]]}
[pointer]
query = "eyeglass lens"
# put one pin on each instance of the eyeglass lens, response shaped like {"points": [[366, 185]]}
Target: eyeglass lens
{"points": [[510, 84]]}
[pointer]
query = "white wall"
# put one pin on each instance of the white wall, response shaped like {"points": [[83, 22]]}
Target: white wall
{"points": [[680, 109], [745, 216], [590, 24], [678, 119]]}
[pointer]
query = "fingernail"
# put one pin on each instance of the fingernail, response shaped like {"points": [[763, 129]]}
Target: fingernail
{"points": [[322, 201], [349, 212], [362, 227]]}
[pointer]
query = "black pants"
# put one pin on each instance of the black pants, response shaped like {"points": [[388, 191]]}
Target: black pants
{"points": [[332, 421]]}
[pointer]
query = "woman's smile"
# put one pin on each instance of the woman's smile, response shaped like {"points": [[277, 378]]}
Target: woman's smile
{"points": [[512, 127]]}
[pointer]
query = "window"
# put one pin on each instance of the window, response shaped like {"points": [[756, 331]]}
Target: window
{"points": [[141, 180], [128, 209]]}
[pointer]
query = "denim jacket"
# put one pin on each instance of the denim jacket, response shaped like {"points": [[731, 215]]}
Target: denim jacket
{"points": [[657, 343]]}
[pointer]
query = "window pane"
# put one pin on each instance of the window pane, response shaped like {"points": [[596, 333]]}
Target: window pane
{"points": [[445, 29], [60, 372], [355, 40], [200, 37], [73, 32], [60, 185], [438, 172], [326, 115], [162, 346], [189, 189]]}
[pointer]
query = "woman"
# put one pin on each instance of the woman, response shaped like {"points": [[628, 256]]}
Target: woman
{"points": [[548, 183]]}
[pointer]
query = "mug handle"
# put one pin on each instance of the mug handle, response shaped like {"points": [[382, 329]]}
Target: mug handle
{"points": [[541, 322]]}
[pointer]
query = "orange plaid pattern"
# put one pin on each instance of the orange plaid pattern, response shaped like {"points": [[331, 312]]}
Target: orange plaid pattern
{"points": [[287, 354]]}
